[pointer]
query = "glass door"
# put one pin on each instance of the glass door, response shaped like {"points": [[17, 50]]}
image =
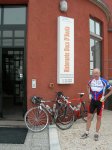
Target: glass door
{"points": [[12, 82], [12, 61]]}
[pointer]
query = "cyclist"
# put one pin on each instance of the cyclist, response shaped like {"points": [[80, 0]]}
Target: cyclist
{"points": [[96, 88]]}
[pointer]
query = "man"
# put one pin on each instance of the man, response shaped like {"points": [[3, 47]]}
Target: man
{"points": [[96, 89]]}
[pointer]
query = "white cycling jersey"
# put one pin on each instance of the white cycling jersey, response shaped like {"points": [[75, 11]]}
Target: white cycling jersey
{"points": [[98, 88]]}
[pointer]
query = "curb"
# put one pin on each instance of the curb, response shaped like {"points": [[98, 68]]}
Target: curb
{"points": [[53, 138]]}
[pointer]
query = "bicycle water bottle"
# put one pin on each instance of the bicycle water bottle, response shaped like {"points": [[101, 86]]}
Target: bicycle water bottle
{"points": [[54, 107], [49, 108]]}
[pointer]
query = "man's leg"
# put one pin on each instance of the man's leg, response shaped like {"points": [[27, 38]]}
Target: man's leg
{"points": [[89, 118], [88, 125], [98, 123]]}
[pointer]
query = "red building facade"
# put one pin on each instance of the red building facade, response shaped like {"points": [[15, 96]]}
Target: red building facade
{"points": [[41, 44]]}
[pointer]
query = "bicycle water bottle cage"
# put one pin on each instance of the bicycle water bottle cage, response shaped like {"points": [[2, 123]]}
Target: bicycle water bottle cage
{"points": [[36, 100]]}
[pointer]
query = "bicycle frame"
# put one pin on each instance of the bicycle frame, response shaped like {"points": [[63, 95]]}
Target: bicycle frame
{"points": [[75, 108], [46, 107], [78, 106], [52, 111]]}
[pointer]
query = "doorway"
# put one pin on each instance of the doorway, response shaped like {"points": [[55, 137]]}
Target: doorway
{"points": [[12, 62], [12, 82]]}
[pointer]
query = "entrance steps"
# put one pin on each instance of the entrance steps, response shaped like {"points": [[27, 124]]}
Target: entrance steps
{"points": [[12, 123]]}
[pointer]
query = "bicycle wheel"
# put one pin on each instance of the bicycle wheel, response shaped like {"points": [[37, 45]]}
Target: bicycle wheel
{"points": [[65, 117], [36, 119], [83, 112]]}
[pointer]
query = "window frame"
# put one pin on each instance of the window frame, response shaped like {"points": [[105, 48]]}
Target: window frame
{"points": [[95, 21], [98, 38]]}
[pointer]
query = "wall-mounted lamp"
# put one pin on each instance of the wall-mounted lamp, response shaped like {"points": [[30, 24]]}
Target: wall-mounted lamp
{"points": [[63, 5]]}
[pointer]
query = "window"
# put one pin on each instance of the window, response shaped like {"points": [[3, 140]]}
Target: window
{"points": [[95, 45], [19, 33], [13, 38], [14, 15], [12, 25], [7, 33], [95, 27]]}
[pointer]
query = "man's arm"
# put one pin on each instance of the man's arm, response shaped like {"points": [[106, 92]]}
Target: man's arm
{"points": [[88, 90], [110, 93]]}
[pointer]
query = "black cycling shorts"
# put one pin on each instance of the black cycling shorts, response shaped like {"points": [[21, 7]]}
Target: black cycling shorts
{"points": [[96, 105]]}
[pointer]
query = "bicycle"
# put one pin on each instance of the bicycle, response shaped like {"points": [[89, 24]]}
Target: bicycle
{"points": [[65, 116], [37, 118], [79, 110]]}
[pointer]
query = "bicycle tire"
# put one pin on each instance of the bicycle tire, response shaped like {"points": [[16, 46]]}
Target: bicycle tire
{"points": [[65, 118], [36, 119]]}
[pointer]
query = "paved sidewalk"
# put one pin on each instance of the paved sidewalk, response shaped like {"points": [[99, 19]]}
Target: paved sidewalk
{"points": [[34, 141], [70, 139], [53, 138]]}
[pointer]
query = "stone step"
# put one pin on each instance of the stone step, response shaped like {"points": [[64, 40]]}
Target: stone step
{"points": [[12, 123]]}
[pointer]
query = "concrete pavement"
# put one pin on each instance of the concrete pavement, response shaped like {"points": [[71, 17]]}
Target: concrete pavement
{"points": [[34, 141], [53, 138]]}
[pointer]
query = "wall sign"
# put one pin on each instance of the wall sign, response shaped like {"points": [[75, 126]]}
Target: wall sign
{"points": [[65, 50]]}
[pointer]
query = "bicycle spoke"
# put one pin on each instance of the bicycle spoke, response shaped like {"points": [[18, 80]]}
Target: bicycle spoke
{"points": [[36, 119], [65, 117]]}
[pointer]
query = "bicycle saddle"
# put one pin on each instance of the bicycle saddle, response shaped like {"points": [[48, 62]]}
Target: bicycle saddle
{"points": [[59, 94], [36, 100]]}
